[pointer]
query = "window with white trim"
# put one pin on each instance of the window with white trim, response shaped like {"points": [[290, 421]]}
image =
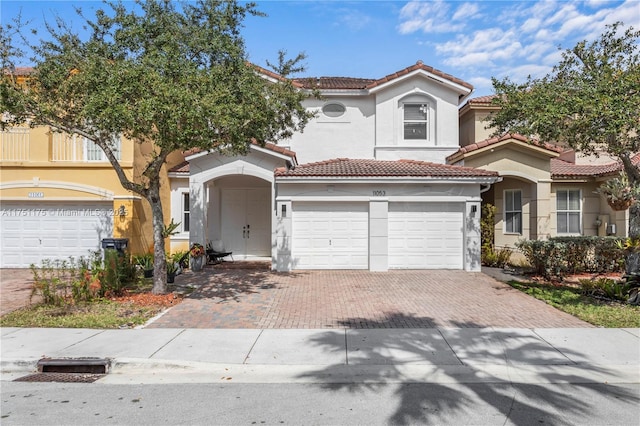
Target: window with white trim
{"points": [[415, 121], [513, 211], [93, 152], [569, 211], [185, 212]]}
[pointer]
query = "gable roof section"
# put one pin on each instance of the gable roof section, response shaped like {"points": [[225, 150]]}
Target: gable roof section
{"points": [[268, 146], [346, 83], [420, 66], [481, 146], [345, 167]]}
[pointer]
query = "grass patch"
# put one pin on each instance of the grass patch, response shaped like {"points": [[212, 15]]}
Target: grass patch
{"points": [[601, 313], [99, 314]]}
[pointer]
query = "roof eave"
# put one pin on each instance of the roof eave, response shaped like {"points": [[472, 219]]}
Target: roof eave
{"points": [[390, 179], [460, 89]]}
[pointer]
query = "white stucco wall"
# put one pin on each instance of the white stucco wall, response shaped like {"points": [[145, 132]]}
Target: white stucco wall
{"points": [[372, 126], [349, 136], [444, 114]]}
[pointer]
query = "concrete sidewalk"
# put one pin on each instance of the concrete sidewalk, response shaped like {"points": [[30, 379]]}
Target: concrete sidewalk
{"points": [[442, 355]]}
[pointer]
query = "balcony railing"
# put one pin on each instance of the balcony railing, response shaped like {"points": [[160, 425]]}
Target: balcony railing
{"points": [[14, 144], [65, 147]]}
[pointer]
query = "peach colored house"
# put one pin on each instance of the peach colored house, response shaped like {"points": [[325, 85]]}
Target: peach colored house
{"points": [[546, 190]]}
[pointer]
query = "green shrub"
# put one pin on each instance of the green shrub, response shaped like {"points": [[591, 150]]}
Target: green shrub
{"points": [[546, 257], [556, 257], [67, 282], [609, 288], [496, 258], [117, 273]]}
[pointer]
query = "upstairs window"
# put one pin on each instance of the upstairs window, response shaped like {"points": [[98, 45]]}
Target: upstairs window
{"points": [[65, 147], [94, 153], [416, 118], [333, 110], [569, 211], [513, 212]]}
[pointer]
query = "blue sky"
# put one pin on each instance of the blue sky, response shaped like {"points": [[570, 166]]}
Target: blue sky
{"points": [[470, 40]]}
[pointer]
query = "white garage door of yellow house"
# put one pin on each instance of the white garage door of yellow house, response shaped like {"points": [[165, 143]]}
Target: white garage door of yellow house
{"points": [[426, 235], [33, 231], [330, 235]]}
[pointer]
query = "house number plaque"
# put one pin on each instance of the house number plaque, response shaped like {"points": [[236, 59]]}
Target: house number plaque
{"points": [[379, 193]]}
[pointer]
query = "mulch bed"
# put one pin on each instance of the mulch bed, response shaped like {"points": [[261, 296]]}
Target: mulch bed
{"points": [[150, 299]]}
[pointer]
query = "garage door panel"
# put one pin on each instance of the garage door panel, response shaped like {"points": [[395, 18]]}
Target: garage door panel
{"points": [[331, 235], [52, 230], [425, 235]]}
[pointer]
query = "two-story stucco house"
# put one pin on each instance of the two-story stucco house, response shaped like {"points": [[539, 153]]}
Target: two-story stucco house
{"points": [[546, 190], [364, 187]]}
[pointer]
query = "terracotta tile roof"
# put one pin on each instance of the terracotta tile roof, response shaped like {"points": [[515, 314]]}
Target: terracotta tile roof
{"points": [[268, 145], [364, 83], [420, 66], [184, 167], [492, 141], [273, 74], [180, 168], [482, 100], [564, 169], [335, 83], [345, 167]]}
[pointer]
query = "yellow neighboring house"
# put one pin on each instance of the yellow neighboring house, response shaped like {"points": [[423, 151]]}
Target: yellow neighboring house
{"points": [[60, 197]]}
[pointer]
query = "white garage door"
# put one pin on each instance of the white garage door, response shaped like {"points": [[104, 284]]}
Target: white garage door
{"points": [[330, 235], [426, 235], [35, 231]]}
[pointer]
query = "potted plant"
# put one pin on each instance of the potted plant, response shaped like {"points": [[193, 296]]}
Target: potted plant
{"points": [[197, 253], [619, 192], [172, 268], [145, 261]]}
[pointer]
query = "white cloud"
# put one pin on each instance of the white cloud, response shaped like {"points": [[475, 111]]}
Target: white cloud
{"points": [[466, 10], [470, 60], [354, 20], [531, 25], [511, 38], [480, 83], [428, 17], [520, 73]]}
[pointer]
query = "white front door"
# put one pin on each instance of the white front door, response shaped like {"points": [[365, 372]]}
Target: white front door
{"points": [[246, 222], [426, 235], [330, 235]]}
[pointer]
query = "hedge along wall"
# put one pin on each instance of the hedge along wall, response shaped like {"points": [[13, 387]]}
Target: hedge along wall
{"points": [[560, 256]]}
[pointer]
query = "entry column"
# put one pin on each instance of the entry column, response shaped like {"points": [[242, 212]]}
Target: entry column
{"points": [[378, 234], [197, 212]]}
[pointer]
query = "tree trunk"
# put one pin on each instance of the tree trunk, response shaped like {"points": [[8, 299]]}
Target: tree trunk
{"points": [[159, 261], [633, 257]]}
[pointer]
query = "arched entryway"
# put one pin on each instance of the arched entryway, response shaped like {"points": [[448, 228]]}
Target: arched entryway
{"points": [[239, 214]]}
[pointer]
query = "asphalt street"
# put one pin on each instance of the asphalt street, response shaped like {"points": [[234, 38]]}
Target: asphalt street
{"points": [[320, 404]]}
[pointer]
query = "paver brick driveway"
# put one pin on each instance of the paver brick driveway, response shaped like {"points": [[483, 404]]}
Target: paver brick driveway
{"points": [[258, 298]]}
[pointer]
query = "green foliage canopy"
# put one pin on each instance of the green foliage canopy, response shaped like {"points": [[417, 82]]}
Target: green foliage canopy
{"points": [[590, 101], [173, 74]]}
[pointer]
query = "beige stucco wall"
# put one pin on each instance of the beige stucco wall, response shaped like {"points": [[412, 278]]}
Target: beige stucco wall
{"points": [[511, 159], [473, 128]]}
